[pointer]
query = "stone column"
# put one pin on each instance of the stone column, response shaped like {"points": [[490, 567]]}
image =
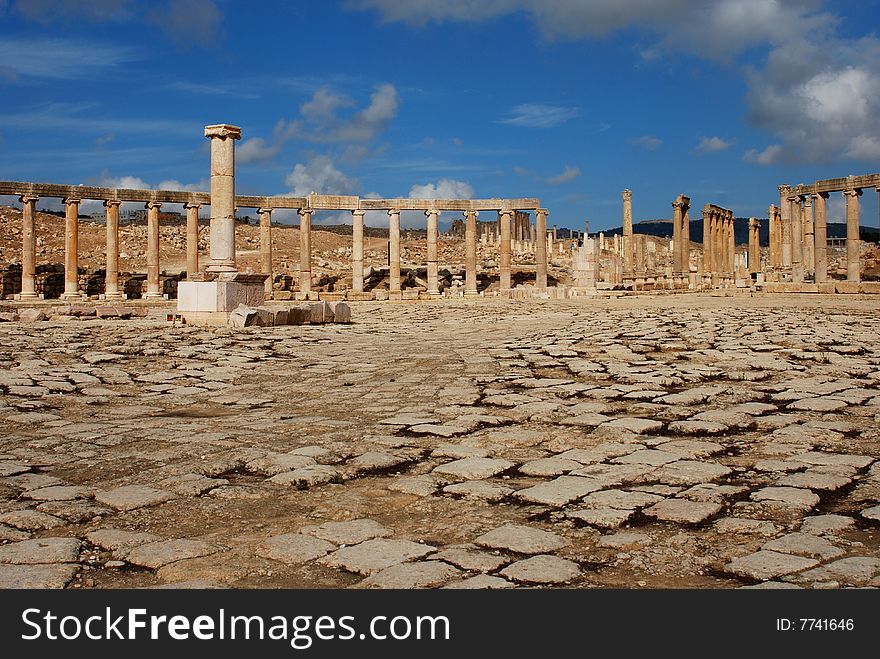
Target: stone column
{"points": [[821, 238], [724, 268], [71, 249], [731, 243], [470, 253], [785, 213], [28, 247], [394, 250], [809, 237], [541, 249], [754, 245], [111, 273], [222, 138], [797, 240], [504, 270], [305, 250], [707, 241], [718, 246], [852, 234], [433, 260], [357, 251], [627, 236], [266, 247], [192, 239], [639, 245], [153, 291], [772, 236]]}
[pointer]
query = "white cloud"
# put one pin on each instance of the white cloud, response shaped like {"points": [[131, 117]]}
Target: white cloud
{"points": [[712, 144], [59, 59], [444, 189], [567, 174], [255, 149], [647, 142], [321, 176], [536, 115], [769, 156]]}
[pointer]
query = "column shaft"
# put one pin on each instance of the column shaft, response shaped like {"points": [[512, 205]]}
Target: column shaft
{"points": [[71, 249], [305, 250], [357, 251], [785, 220], [28, 247], [504, 282], [394, 250], [809, 237], [852, 234], [192, 239], [797, 240], [222, 196], [470, 253], [627, 235], [153, 250], [707, 240], [821, 237], [433, 263], [541, 248], [754, 246], [266, 247], [111, 275]]}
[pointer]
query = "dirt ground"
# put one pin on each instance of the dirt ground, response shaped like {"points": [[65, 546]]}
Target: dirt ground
{"points": [[645, 442]]}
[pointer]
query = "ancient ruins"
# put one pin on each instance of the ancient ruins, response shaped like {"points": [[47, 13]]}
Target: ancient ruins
{"points": [[506, 404]]}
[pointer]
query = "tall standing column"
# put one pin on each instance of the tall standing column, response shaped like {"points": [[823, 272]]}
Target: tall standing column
{"points": [[71, 249], [111, 273], [797, 240], [821, 238], [725, 247], [504, 282], [785, 219], [731, 244], [153, 250], [718, 246], [28, 247], [707, 241], [394, 250], [852, 234], [772, 236], [541, 248], [266, 247], [305, 250], [627, 235], [192, 238], [470, 253], [809, 237], [357, 251], [222, 138], [754, 245], [433, 261]]}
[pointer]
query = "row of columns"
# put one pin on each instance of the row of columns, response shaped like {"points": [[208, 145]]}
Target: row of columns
{"points": [[719, 244], [681, 237]]}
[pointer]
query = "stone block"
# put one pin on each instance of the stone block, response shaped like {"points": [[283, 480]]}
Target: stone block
{"points": [[826, 288], [280, 315], [243, 317], [341, 312], [355, 296], [848, 287], [31, 315], [871, 287], [410, 294], [299, 315], [283, 295], [113, 312], [218, 296], [321, 313], [381, 295], [7, 317]]}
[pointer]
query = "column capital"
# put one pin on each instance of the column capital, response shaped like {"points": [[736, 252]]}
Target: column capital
{"points": [[70, 200], [359, 212], [678, 204], [28, 198], [474, 213], [305, 211], [223, 131], [150, 205], [542, 211], [504, 211], [262, 211], [627, 194], [852, 192], [112, 202], [808, 200], [783, 189], [823, 195], [393, 211], [753, 223], [191, 204], [432, 211]]}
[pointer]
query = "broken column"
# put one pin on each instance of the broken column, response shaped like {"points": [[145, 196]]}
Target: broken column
{"points": [[357, 251], [71, 249], [852, 234], [28, 247], [111, 273], [541, 249], [433, 262], [266, 247]]}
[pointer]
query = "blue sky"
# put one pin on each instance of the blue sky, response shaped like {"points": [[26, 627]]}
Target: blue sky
{"points": [[567, 100]]}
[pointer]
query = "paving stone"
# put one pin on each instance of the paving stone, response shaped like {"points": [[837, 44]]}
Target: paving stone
{"points": [[827, 524], [787, 496], [120, 540], [294, 548], [588, 420], [373, 461], [606, 518], [481, 581], [521, 539], [191, 485], [559, 491], [820, 404], [852, 571], [440, 430], [473, 468], [683, 511], [30, 520], [12, 468], [408, 420], [651, 457], [41, 550], [375, 555], [36, 576], [612, 475], [819, 458], [696, 427], [622, 499], [815, 481], [350, 532], [458, 451], [60, 493], [804, 544], [278, 463], [469, 557], [10, 534], [129, 497], [485, 490], [746, 526], [542, 569], [154, 555], [872, 513], [422, 486], [689, 472], [766, 564], [624, 540], [691, 448], [554, 466], [635, 425], [308, 476], [424, 574], [74, 512]]}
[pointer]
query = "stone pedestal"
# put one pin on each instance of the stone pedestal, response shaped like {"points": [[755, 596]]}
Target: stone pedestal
{"points": [[211, 301]]}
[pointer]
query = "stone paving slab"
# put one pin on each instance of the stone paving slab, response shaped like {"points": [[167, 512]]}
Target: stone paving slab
{"points": [[521, 540], [375, 555], [36, 576], [41, 550], [351, 532], [542, 569], [158, 554], [424, 574], [129, 497], [766, 564], [294, 548]]}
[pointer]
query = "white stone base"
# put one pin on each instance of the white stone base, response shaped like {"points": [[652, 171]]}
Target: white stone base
{"points": [[200, 297]]}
